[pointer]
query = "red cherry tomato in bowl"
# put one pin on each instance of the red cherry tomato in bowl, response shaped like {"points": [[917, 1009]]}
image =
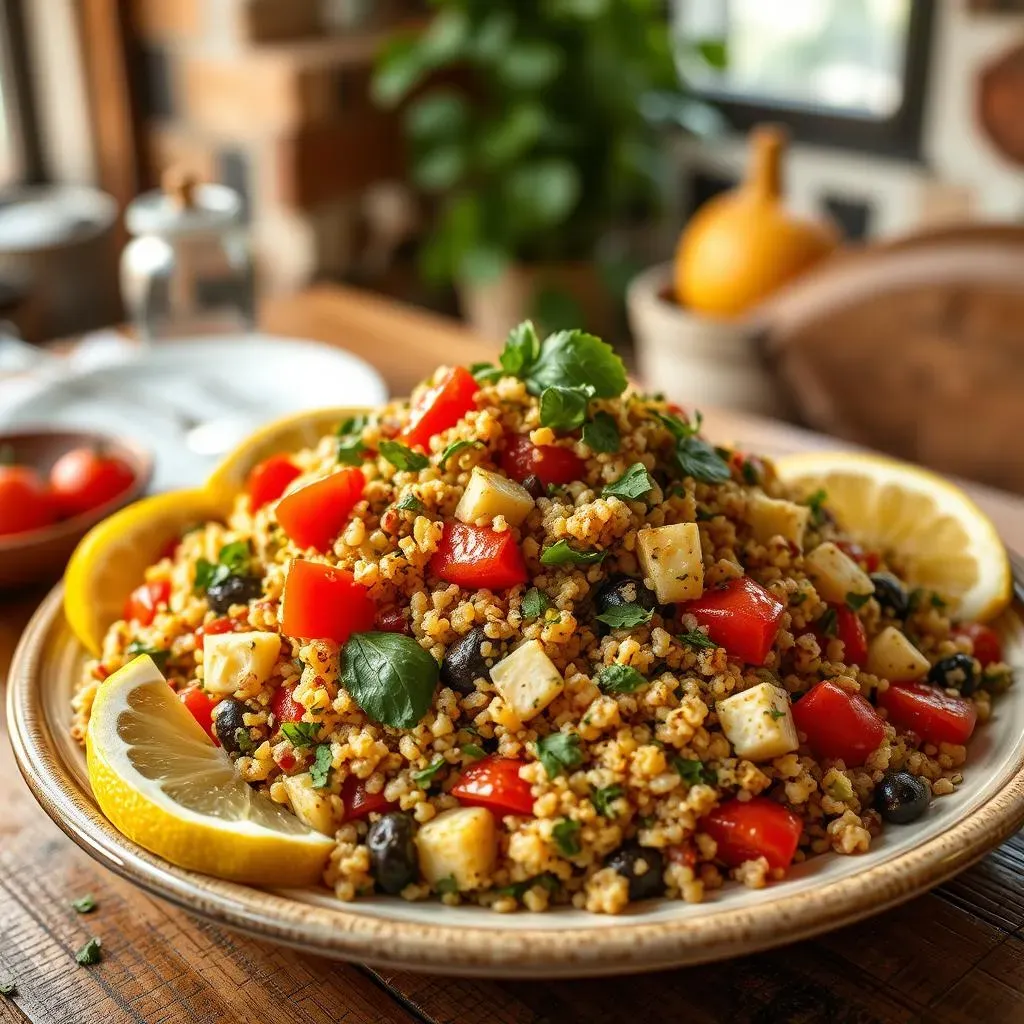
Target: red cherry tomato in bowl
{"points": [[494, 783], [358, 802], [84, 478], [25, 501]]}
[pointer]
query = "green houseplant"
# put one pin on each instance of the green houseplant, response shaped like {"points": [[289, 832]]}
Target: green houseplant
{"points": [[527, 122]]}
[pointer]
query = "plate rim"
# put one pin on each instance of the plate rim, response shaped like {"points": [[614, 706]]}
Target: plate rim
{"points": [[631, 946]]}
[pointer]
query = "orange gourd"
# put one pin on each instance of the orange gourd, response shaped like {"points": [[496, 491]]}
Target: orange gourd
{"points": [[742, 246]]}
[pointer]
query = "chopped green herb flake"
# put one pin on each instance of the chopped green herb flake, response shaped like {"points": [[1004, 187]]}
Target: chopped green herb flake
{"points": [[564, 408], [234, 559], [558, 751], [350, 447], [84, 904], [8, 989], [320, 770], [410, 503], [486, 373], [693, 772], [453, 449], [424, 777], [472, 750], [301, 734], [632, 485], [90, 953], [798, 598], [816, 503], [243, 741], [625, 616], [389, 676], [445, 886], [698, 459], [857, 601], [828, 623], [535, 603], [520, 889], [775, 714], [601, 434], [566, 834], [698, 640], [937, 601], [620, 679], [561, 554], [137, 648], [750, 473], [602, 799], [403, 458]]}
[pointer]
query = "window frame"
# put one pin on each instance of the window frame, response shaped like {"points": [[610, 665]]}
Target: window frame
{"points": [[900, 135], [19, 105]]}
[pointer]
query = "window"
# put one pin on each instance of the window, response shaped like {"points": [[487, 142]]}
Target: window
{"points": [[839, 72]]}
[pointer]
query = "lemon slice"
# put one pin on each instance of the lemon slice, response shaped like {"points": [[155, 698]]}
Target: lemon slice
{"points": [[110, 561], [161, 782], [943, 540], [300, 430]]}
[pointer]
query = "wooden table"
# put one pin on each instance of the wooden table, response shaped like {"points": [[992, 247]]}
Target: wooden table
{"points": [[955, 954]]}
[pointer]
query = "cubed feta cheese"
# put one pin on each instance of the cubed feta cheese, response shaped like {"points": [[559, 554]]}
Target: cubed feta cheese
{"points": [[311, 806], [758, 722], [460, 844], [773, 517], [892, 656], [234, 660], [835, 574], [488, 495], [672, 561], [527, 680]]}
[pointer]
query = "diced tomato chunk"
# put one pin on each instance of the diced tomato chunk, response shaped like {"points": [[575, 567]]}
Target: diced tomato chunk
{"points": [[200, 705], [850, 630], [393, 620], [477, 556], [143, 602], [322, 603], [286, 761], [740, 616], [359, 803], [839, 724], [217, 626], [314, 515], [440, 407], [746, 830], [494, 783], [550, 463], [988, 648], [285, 707], [869, 561], [269, 478], [933, 714]]}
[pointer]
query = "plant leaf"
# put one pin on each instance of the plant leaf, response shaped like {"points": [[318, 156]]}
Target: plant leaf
{"points": [[403, 458], [632, 485], [625, 616], [561, 554], [575, 358], [620, 679], [601, 434], [558, 751], [564, 408], [390, 677]]}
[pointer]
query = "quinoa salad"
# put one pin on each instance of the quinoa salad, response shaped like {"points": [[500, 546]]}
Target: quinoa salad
{"points": [[528, 639]]}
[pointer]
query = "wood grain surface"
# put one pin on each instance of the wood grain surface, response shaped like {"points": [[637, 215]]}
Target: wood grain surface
{"points": [[953, 955]]}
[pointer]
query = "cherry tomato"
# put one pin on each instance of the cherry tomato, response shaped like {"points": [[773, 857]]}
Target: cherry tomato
{"points": [[839, 724], [359, 803], [746, 830], [83, 479], [494, 783], [440, 407], [25, 501], [550, 463], [314, 515], [143, 602], [269, 478], [934, 715], [988, 648], [477, 556], [321, 603], [850, 630], [285, 707], [869, 561], [200, 706], [393, 620], [741, 616], [215, 627]]}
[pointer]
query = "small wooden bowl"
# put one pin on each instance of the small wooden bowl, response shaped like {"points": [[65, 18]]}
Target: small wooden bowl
{"points": [[39, 556]]}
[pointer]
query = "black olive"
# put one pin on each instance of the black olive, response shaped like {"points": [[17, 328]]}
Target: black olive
{"points": [[535, 486], [391, 841], [463, 663], [230, 728], [233, 590], [889, 593], [955, 672], [642, 867], [618, 590], [901, 797]]}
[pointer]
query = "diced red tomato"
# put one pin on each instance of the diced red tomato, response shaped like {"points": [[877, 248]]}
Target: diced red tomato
{"points": [[440, 407], [285, 707], [851, 631], [869, 561], [477, 556], [550, 463], [934, 715], [269, 478], [494, 783], [286, 761], [200, 705], [322, 603], [359, 803], [215, 627], [741, 616], [685, 854], [988, 648], [143, 602], [839, 724], [393, 620], [314, 515], [746, 830]]}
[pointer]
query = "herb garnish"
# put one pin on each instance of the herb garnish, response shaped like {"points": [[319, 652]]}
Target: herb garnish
{"points": [[521, 349], [692, 771], [410, 503], [561, 554], [856, 601], [8, 989], [423, 778], [454, 448], [602, 799], [90, 953], [698, 640], [535, 603], [486, 373], [620, 679], [816, 503], [350, 441], [84, 904], [601, 434], [403, 458], [323, 762], [625, 616], [520, 889], [695, 456], [137, 648], [234, 559], [828, 623], [389, 676], [445, 886], [559, 750], [566, 834], [472, 750], [243, 741], [632, 485], [775, 714], [301, 734], [564, 408]]}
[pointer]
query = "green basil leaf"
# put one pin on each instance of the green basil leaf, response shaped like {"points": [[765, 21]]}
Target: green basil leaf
{"points": [[698, 640], [602, 799], [410, 503], [444, 886], [857, 601], [90, 953], [632, 485], [573, 359], [137, 648], [829, 623], [521, 349], [601, 434], [472, 750], [323, 762], [620, 679], [390, 677], [84, 904], [700, 460], [301, 734], [207, 574], [350, 451], [692, 771], [564, 408], [10, 988], [566, 834], [625, 616], [403, 458], [535, 603], [559, 750], [486, 373], [562, 554], [816, 503], [422, 778], [454, 448]]}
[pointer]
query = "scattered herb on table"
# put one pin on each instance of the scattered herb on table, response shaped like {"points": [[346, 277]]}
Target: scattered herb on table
{"points": [[84, 904], [90, 953], [8, 989]]}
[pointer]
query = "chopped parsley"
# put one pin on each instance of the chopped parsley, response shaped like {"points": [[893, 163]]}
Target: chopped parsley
{"points": [[566, 834], [350, 447], [320, 770], [602, 799], [559, 751], [486, 373], [564, 408], [775, 714], [243, 741], [8, 989], [90, 953], [796, 599], [561, 554], [522, 348], [698, 640], [693, 772], [234, 559], [535, 603], [137, 648], [472, 750], [828, 623], [700, 460], [402, 457], [937, 601], [620, 679], [601, 434], [750, 472], [301, 734], [423, 778], [444, 886], [856, 601], [519, 889], [632, 485], [84, 904], [453, 449], [410, 503], [625, 616], [816, 503]]}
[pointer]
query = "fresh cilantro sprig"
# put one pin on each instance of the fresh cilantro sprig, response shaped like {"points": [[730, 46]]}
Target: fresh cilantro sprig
{"points": [[564, 408], [602, 799], [695, 456], [601, 434], [535, 603], [620, 679], [566, 834], [402, 457], [559, 751], [234, 559], [625, 616], [301, 734], [350, 445], [632, 485], [561, 553], [91, 953], [698, 640], [390, 677]]}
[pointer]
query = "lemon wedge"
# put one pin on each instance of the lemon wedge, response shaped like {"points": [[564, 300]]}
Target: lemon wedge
{"points": [[161, 782], [110, 561], [944, 541]]}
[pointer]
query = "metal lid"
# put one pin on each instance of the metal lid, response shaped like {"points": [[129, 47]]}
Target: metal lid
{"points": [[183, 207]]}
